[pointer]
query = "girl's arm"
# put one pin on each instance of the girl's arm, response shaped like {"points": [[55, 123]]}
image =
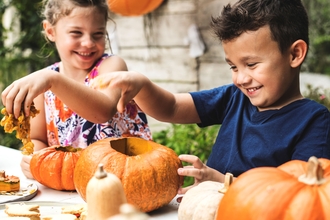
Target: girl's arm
{"points": [[97, 106]]}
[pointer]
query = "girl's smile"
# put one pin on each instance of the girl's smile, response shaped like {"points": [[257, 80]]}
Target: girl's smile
{"points": [[79, 38]]}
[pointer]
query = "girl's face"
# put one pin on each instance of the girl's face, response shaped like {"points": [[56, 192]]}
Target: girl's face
{"points": [[261, 71], [79, 37]]}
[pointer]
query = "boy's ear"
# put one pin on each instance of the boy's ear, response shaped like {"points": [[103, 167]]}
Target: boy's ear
{"points": [[49, 30], [298, 53]]}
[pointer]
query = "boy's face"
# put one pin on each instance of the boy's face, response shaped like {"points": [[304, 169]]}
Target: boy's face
{"points": [[261, 71]]}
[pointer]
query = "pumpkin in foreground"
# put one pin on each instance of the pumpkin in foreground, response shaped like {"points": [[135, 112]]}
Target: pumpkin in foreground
{"points": [[147, 170], [54, 166], [294, 190], [202, 201]]}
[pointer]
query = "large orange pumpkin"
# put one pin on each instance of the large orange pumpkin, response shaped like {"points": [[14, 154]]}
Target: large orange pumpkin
{"points": [[133, 7], [54, 166], [147, 170], [294, 190]]}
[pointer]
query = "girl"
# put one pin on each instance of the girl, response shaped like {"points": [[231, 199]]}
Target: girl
{"points": [[71, 112]]}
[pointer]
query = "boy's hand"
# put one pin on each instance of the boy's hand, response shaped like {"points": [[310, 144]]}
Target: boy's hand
{"points": [[199, 171], [129, 82]]}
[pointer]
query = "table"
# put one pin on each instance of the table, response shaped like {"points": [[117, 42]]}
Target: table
{"points": [[10, 162]]}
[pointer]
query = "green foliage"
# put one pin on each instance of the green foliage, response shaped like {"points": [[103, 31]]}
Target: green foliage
{"points": [[318, 58], [188, 139], [319, 95], [29, 53]]}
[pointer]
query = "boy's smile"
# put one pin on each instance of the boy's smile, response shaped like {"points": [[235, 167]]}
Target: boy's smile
{"points": [[261, 71]]}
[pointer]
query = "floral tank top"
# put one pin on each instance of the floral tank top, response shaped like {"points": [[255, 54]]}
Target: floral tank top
{"points": [[66, 128]]}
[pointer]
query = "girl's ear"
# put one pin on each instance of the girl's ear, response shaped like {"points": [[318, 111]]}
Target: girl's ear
{"points": [[49, 30], [298, 53]]}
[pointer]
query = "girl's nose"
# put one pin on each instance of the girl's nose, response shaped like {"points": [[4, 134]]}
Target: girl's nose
{"points": [[88, 42]]}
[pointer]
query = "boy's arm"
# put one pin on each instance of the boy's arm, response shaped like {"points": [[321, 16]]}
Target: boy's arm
{"points": [[152, 99]]}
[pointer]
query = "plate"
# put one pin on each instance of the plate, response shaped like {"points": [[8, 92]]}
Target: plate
{"points": [[27, 191], [45, 208]]}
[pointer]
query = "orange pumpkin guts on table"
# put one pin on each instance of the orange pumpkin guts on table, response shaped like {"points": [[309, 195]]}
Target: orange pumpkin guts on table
{"points": [[54, 166], [147, 170], [294, 190]]}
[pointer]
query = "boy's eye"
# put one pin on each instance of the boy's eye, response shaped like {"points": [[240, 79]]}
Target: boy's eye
{"points": [[251, 64], [232, 67]]}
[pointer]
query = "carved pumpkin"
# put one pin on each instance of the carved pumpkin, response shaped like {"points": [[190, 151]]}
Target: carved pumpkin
{"points": [[202, 201], [133, 7], [295, 190], [54, 166], [147, 170]]}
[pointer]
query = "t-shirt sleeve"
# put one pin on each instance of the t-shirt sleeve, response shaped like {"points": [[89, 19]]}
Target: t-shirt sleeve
{"points": [[211, 105], [315, 139]]}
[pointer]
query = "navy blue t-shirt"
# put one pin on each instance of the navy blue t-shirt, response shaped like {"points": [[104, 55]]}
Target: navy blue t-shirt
{"points": [[249, 138]]}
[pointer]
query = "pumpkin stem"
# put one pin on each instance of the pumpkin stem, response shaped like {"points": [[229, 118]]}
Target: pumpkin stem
{"points": [[229, 178], [314, 174], [100, 173]]}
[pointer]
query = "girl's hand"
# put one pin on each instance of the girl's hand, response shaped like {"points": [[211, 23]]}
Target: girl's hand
{"points": [[20, 94], [199, 171], [25, 166]]}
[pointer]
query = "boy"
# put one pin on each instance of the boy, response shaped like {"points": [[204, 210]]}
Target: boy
{"points": [[265, 119]]}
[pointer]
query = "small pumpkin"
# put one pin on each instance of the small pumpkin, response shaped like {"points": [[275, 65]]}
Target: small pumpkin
{"points": [[105, 195], [294, 190], [54, 166], [147, 170], [202, 201], [133, 7]]}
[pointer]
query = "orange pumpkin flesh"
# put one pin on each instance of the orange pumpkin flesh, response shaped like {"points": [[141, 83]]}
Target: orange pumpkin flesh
{"points": [[9, 183], [147, 170], [280, 193], [133, 7], [54, 166]]}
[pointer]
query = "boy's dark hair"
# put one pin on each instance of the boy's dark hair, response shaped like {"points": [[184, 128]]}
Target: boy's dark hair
{"points": [[287, 19]]}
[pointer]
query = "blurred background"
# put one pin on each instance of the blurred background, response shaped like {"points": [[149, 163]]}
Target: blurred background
{"points": [[170, 42]]}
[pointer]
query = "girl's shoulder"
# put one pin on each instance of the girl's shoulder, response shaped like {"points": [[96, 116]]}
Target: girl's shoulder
{"points": [[95, 71], [55, 67]]}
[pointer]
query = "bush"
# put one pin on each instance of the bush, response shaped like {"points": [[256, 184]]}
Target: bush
{"points": [[319, 95]]}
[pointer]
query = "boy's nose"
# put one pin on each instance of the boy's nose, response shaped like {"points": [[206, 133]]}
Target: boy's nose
{"points": [[242, 78]]}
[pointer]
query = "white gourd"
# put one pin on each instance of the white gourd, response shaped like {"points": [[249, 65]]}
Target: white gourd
{"points": [[129, 212], [104, 195], [202, 201]]}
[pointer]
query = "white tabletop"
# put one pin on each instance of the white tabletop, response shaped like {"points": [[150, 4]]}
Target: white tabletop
{"points": [[10, 162]]}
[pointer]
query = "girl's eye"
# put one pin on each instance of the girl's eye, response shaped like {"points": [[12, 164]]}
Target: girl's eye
{"points": [[75, 32], [99, 35]]}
